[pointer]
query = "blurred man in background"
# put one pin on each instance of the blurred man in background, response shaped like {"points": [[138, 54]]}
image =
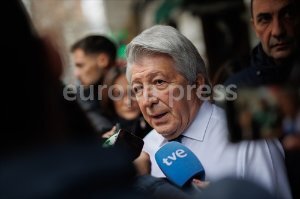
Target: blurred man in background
{"points": [[274, 61], [274, 22], [93, 56]]}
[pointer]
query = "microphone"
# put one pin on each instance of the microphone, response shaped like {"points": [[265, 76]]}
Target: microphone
{"points": [[127, 140], [179, 164], [159, 188]]}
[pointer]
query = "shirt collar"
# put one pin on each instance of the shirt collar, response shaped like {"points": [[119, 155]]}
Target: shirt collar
{"points": [[198, 127]]}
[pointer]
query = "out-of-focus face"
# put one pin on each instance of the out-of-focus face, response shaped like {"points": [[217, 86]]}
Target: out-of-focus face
{"points": [[86, 69], [126, 107], [156, 83], [274, 24]]}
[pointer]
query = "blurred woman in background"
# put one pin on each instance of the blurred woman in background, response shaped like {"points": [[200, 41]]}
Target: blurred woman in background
{"points": [[119, 105]]}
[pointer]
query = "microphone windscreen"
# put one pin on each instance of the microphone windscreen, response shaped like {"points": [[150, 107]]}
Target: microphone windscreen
{"points": [[179, 164]]}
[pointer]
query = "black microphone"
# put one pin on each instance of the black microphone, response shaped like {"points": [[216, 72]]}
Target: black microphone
{"points": [[128, 141], [159, 188]]}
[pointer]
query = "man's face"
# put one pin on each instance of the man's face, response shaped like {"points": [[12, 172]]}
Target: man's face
{"points": [[86, 69], [156, 83], [274, 24]]}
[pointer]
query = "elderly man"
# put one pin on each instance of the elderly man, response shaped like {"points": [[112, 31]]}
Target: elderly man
{"points": [[166, 74], [274, 22]]}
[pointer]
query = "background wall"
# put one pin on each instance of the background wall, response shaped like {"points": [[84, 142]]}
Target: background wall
{"points": [[219, 29]]}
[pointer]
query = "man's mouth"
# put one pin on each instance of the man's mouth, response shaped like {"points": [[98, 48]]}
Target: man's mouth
{"points": [[282, 44], [158, 116]]}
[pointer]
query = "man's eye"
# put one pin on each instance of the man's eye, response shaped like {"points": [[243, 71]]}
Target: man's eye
{"points": [[159, 82], [264, 19], [137, 89]]}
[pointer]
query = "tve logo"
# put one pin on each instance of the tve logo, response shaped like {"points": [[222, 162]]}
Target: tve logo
{"points": [[179, 163], [180, 153]]}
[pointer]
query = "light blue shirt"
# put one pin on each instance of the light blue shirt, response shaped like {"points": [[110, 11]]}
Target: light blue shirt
{"points": [[259, 161]]}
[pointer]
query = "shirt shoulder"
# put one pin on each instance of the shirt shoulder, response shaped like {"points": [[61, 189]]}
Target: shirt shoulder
{"points": [[218, 113], [218, 122]]}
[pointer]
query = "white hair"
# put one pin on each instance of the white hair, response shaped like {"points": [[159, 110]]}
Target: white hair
{"points": [[161, 39]]}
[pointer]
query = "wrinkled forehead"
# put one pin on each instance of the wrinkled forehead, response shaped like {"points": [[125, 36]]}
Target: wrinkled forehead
{"points": [[269, 6], [150, 64]]}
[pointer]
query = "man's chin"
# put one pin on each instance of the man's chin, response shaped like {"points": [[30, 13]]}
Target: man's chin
{"points": [[281, 59], [163, 133], [166, 133], [282, 55]]}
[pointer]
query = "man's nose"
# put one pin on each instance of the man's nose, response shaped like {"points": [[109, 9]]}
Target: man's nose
{"points": [[149, 97], [278, 29]]}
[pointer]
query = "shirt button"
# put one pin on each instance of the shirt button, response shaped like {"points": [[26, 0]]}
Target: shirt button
{"points": [[258, 73]]}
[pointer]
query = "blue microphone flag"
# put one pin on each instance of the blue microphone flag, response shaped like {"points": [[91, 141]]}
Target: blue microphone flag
{"points": [[179, 163]]}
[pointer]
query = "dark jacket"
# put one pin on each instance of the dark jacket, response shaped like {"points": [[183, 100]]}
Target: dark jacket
{"points": [[77, 170], [89, 102], [261, 71]]}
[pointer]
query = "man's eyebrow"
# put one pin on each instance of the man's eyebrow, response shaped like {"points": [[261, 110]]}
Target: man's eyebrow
{"points": [[136, 81], [261, 16], [154, 73], [149, 76], [282, 10]]}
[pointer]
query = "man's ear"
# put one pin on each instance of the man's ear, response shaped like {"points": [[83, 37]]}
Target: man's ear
{"points": [[102, 60]]}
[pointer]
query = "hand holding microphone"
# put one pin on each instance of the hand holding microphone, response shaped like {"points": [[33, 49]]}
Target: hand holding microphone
{"points": [[180, 165], [127, 141], [115, 129]]}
